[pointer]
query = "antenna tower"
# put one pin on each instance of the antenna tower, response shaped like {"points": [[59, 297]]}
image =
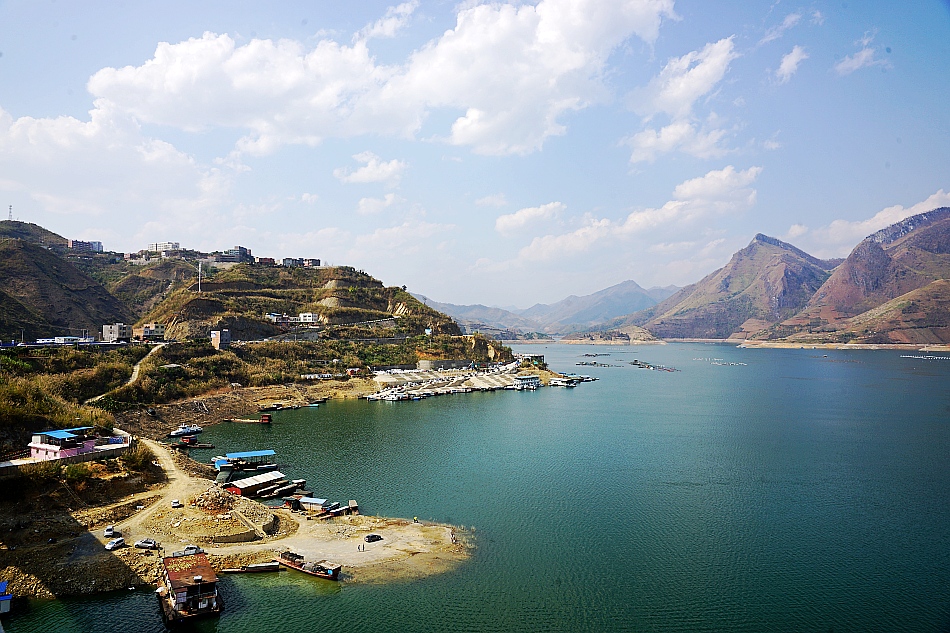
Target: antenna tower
{"points": [[11, 213]]}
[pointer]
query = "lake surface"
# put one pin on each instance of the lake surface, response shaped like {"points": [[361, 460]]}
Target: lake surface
{"points": [[804, 490]]}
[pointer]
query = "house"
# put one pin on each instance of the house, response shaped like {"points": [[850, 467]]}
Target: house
{"points": [[308, 317], [221, 339], [188, 588], [149, 332], [237, 254], [291, 262], [115, 332], [265, 261], [311, 263], [59, 443]]}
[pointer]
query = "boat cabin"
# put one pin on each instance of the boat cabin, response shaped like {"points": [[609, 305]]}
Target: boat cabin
{"points": [[189, 588]]}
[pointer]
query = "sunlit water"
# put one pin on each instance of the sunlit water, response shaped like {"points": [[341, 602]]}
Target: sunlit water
{"points": [[797, 492]]}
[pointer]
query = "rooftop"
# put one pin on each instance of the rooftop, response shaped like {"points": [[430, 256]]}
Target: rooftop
{"points": [[183, 569]]}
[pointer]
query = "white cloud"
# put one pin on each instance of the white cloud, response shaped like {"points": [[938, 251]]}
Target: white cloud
{"points": [[864, 58], [817, 18], [105, 176], [495, 200], [839, 237], [679, 135], [373, 170], [718, 192], [535, 63], [309, 198], [684, 80], [789, 65], [395, 19], [675, 91], [776, 32], [510, 224], [372, 206]]}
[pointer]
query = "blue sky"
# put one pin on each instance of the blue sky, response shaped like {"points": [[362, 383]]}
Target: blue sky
{"points": [[505, 154]]}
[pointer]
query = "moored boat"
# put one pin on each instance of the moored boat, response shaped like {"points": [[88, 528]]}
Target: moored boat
{"points": [[185, 429], [323, 569]]}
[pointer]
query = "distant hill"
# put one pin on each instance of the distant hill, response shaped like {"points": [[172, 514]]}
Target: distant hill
{"points": [[14, 229], [580, 313], [45, 295], [762, 284], [904, 257], [139, 287], [568, 315], [483, 318]]}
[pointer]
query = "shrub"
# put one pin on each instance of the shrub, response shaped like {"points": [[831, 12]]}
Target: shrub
{"points": [[138, 458]]}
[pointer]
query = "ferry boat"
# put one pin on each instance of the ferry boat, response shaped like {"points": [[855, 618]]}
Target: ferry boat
{"points": [[185, 429], [323, 569]]}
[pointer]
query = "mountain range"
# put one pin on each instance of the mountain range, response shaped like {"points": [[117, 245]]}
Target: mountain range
{"points": [[894, 287], [570, 314]]}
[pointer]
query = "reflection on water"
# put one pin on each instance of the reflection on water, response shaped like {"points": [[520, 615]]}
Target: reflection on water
{"points": [[795, 492]]}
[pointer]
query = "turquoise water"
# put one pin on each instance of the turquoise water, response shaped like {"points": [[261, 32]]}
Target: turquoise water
{"points": [[797, 492]]}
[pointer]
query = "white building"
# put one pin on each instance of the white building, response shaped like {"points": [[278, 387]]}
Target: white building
{"points": [[158, 247], [113, 332], [307, 317]]}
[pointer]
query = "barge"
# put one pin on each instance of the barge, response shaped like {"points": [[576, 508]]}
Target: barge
{"points": [[323, 569]]}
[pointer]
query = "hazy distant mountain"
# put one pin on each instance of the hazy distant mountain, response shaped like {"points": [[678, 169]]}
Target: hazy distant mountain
{"points": [[475, 317], [762, 284], [580, 313], [885, 266], [568, 315]]}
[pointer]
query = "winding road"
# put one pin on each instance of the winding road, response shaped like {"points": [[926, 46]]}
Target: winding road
{"points": [[132, 378]]}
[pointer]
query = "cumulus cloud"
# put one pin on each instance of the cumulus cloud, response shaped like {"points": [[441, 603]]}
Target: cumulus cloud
{"points": [[679, 135], [718, 192], [106, 176], [789, 65], [535, 64], [864, 58], [837, 238], [373, 170], [510, 224], [395, 19], [776, 32], [372, 206]]}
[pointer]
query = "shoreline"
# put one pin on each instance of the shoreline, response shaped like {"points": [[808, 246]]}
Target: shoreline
{"points": [[76, 562]]}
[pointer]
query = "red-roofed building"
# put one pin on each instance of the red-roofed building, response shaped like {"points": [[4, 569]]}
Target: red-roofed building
{"points": [[189, 588]]}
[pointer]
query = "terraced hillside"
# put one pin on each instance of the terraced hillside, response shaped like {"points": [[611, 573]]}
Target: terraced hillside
{"points": [[346, 303]]}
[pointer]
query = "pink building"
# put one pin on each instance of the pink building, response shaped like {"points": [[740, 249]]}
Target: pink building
{"points": [[62, 443]]}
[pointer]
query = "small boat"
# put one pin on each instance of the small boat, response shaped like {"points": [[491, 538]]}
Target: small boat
{"points": [[185, 429], [323, 569], [255, 568]]}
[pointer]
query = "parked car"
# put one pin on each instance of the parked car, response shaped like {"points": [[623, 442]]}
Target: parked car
{"points": [[177, 504], [147, 543], [115, 543], [372, 538], [109, 531], [192, 549]]}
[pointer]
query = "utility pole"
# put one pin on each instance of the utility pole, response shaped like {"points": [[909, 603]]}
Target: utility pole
{"points": [[199, 276], [10, 217]]}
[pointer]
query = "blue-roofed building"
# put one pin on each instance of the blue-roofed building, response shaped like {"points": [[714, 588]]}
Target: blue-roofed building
{"points": [[59, 443]]}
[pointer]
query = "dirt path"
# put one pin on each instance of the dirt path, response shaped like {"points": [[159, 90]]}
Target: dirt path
{"points": [[133, 377]]}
